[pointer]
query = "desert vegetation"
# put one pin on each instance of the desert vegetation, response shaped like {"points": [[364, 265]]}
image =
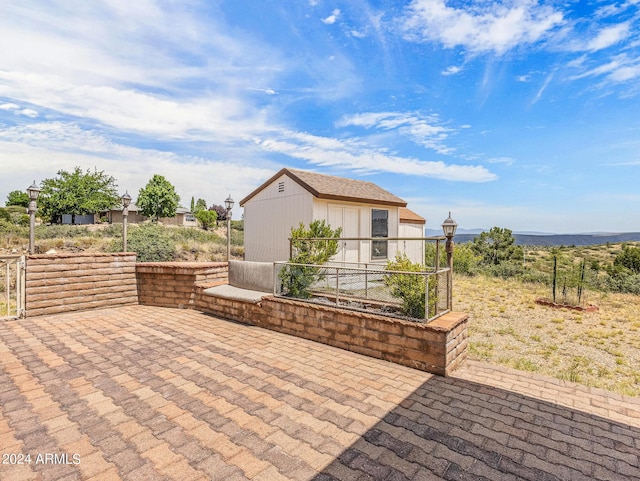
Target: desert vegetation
{"points": [[600, 349], [152, 241]]}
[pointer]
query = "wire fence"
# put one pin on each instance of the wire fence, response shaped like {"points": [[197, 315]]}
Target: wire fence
{"points": [[418, 296], [11, 286]]}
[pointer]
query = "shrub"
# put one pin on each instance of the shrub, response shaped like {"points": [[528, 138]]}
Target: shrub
{"points": [[297, 279], [465, 261], [410, 289], [150, 242], [207, 218], [4, 215]]}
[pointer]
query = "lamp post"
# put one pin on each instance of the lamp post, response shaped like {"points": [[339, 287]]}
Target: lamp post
{"points": [[228, 203], [33, 190], [449, 227], [126, 200]]}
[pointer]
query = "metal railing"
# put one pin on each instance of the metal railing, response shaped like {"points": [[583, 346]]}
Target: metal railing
{"points": [[413, 246], [418, 296], [12, 287]]}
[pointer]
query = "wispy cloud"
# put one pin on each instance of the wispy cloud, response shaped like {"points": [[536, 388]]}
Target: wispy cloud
{"points": [[608, 36], [28, 151], [544, 86], [360, 156], [619, 68], [480, 27], [331, 19], [427, 131], [356, 155], [452, 70]]}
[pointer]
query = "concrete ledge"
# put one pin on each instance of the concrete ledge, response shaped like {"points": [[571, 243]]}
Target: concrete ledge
{"points": [[236, 293]]}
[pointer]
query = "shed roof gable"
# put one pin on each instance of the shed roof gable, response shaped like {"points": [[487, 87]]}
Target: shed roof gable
{"points": [[334, 188]]}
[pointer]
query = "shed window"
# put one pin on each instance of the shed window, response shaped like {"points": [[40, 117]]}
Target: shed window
{"points": [[379, 228]]}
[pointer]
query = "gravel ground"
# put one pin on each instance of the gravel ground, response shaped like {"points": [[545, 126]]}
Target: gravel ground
{"points": [[507, 327]]}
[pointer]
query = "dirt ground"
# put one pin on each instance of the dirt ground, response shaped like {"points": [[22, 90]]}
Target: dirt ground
{"points": [[600, 349]]}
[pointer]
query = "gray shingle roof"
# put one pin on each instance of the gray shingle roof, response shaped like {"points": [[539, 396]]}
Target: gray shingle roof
{"points": [[335, 188]]}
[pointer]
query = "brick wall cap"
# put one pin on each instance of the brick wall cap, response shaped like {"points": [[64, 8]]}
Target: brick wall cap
{"points": [[178, 267], [64, 255]]}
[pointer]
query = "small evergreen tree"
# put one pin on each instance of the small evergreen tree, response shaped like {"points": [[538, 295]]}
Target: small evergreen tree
{"points": [[496, 246], [629, 258], [200, 205]]}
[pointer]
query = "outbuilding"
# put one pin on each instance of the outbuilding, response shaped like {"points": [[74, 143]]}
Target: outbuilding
{"points": [[362, 209]]}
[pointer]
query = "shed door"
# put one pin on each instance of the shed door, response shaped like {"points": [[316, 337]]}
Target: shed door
{"points": [[349, 219]]}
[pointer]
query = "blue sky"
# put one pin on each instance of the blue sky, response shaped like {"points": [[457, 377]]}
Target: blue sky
{"points": [[520, 114]]}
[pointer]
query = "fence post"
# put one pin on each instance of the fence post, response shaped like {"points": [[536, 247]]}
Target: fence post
{"points": [[23, 287], [426, 297], [337, 286], [366, 282], [8, 287]]}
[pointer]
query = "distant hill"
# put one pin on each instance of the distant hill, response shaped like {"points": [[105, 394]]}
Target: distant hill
{"points": [[564, 239], [545, 239]]}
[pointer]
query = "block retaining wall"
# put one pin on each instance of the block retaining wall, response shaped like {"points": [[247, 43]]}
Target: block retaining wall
{"points": [[57, 283], [172, 284], [438, 347]]}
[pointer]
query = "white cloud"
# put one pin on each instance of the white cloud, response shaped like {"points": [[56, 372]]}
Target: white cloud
{"points": [[40, 150], [620, 68], [452, 70], [331, 19], [608, 36], [426, 131], [9, 106], [354, 155], [480, 26], [129, 109]]}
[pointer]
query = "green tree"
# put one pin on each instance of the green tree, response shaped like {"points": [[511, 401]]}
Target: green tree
{"points": [[201, 204], [207, 218], [495, 246], [18, 197], [629, 258], [158, 198], [77, 193], [299, 275]]}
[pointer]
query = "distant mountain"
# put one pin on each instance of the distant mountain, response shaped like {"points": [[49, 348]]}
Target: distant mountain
{"points": [[541, 239]]}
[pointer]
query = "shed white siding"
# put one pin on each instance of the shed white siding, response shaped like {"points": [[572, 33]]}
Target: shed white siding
{"points": [[414, 249], [269, 217]]}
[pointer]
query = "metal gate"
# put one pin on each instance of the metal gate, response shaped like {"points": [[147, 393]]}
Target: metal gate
{"points": [[12, 287]]}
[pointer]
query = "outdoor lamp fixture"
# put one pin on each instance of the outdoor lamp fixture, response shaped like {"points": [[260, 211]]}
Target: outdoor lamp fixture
{"points": [[33, 191], [126, 200], [449, 227], [228, 203]]}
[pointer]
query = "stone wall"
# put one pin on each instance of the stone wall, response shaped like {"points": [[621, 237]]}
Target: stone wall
{"points": [[57, 283], [172, 284], [437, 347]]}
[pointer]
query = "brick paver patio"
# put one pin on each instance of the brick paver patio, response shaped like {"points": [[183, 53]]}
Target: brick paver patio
{"points": [[145, 393]]}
